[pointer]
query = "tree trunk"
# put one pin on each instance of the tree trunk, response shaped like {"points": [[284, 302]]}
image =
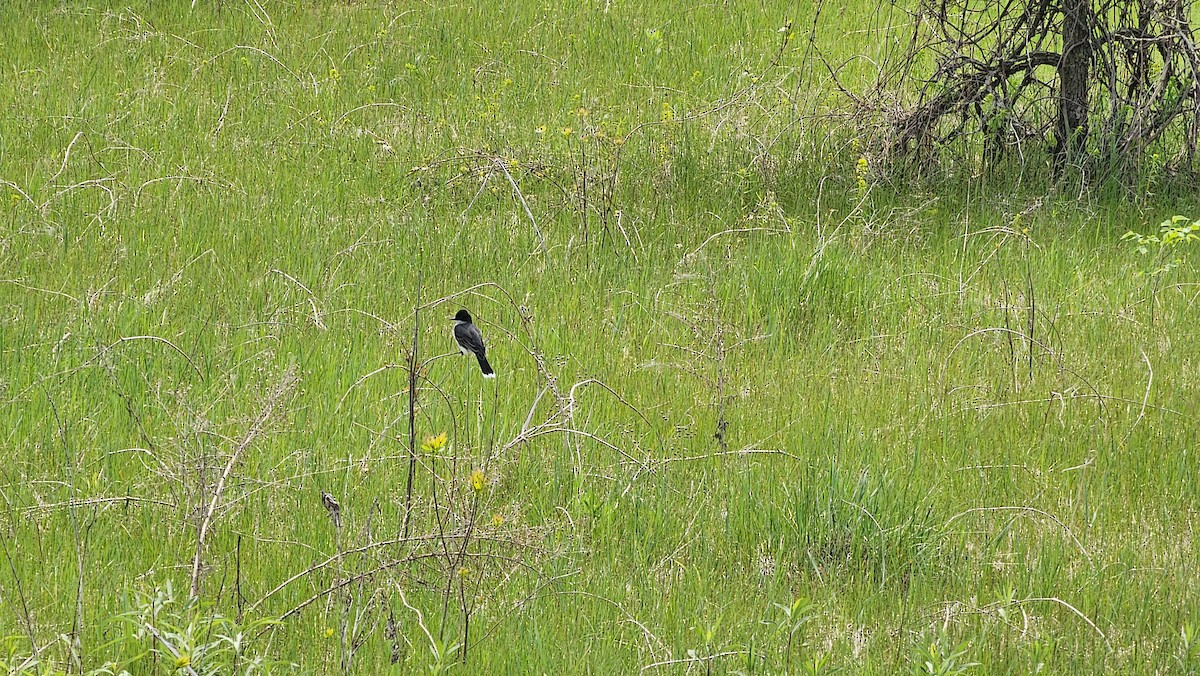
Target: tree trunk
{"points": [[1073, 73]]}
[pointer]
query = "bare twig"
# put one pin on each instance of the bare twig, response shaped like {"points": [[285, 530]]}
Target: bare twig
{"points": [[413, 361], [77, 625], [92, 502], [532, 220], [26, 617], [1068, 606], [701, 659], [335, 558], [1145, 398], [164, 341], [251, 49], [433, 645], [66, 157], [1023, 509], [286, 384]]}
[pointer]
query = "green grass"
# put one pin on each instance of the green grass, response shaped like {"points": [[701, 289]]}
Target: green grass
{"points": [[199, 203]]}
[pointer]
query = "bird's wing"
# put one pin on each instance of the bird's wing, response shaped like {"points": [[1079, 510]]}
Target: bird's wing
{"points": [[469, 337]]}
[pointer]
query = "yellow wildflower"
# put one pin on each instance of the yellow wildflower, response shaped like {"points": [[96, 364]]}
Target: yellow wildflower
{"points": [[433, 444], [478, 480]]}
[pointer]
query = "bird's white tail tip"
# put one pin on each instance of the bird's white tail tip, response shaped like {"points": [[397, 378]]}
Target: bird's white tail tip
{"points": [[489, 375]]}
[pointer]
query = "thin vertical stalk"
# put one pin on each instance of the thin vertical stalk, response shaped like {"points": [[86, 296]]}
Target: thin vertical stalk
{"points": [[413, 364]]}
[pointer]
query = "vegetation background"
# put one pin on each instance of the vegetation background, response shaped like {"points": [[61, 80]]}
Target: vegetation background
{"points": [[762, 406]]}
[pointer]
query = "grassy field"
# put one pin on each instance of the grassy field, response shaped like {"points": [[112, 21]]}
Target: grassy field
{"points": [[757, 410]]}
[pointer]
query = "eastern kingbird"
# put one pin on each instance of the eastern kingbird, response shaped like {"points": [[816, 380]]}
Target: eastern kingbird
{"points": [[470, 341]]}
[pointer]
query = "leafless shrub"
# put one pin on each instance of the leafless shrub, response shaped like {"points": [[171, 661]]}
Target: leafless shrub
{"points": [[1104, 87]]}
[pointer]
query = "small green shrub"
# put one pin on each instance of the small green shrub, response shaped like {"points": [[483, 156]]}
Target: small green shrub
{"points": [[1171, 234]]}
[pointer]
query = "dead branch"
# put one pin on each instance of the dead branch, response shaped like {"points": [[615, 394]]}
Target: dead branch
{"points": [[289, 381]]}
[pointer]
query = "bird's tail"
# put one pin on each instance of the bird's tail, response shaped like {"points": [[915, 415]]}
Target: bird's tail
{"points": [[485, 367]]}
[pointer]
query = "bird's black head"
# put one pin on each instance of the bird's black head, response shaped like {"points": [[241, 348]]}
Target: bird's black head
{"points": [[463, 316]]}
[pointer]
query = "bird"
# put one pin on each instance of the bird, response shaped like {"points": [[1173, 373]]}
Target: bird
{"points": [[470, 341], [334, 509]]}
